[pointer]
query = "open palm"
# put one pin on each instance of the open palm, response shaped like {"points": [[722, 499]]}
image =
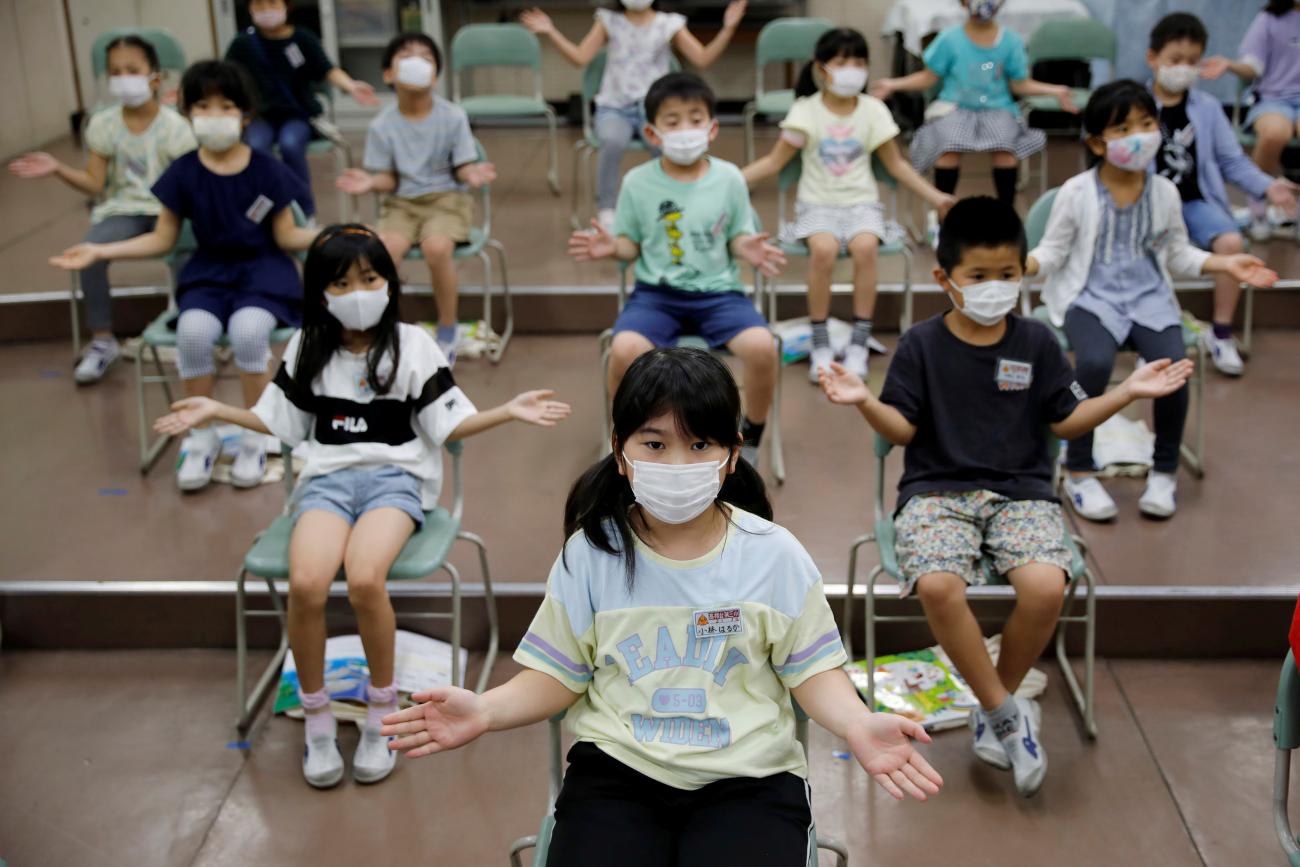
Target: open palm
{"points": [[883, 746], [535, 407], [842, 386], [756, 250], [1159, 378], [586, 245], [1251, 270], [449, 717]]}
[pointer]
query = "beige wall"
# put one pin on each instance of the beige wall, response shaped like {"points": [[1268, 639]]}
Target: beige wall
{"points": [[39, 94]]}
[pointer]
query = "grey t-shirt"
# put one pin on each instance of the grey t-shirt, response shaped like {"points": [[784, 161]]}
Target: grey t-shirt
{"points": [[422, 153]]}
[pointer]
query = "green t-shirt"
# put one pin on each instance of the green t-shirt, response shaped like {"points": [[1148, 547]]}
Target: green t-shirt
{"points": [[684, 229], [135, 162]]}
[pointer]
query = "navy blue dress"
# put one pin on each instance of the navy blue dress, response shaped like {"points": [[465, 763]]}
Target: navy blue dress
{"points": [[237, 263]]}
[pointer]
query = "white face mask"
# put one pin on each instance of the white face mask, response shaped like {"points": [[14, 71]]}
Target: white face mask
{"points": [[1133, 153], [360, 309], [676, 493], [984, 10], [846, 80], [1177, 79], [414, 71], [685, 146], [637, 5], [269, 19], [132, 91], [988, 302], [219, 133]]}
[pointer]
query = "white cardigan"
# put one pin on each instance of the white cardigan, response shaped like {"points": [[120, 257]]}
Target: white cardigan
{"points": [[1065, 252]]}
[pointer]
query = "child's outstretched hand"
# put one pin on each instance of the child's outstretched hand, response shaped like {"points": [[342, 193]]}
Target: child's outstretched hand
{"points": [[364, 93], [586, 245], [1158, 378], [881, 88], [355, 182], [1282, 193], [882, 744], [535, 408], [734, 12], [537, 21], [1250, 269], [450, 717], [1065, 99], [1214, 67], [944, 205], [842, 385], [186, 413], [37, 164], [76, 257], [478, 174], [755, 250]]}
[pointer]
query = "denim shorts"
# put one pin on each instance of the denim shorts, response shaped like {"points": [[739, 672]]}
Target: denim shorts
{"points": [[1287, 106], [661, 314], [352, 492], [1207, 221]]}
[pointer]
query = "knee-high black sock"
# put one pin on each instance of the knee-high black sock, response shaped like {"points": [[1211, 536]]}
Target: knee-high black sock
{"points": [[946, 179], [1005, 182]]}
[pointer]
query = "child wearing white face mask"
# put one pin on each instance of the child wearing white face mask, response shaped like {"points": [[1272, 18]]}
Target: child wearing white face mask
{"points": [[240, 278], [973, 395], [685, 219], [422, 154], [1114, 234], [678, 624], [128, 147], [1199, 152], [373, 400], [983, 68], [638, 46], [837, 130]]}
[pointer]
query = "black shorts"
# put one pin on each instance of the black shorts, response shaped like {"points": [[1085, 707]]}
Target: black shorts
{"points": [[608, 813]]}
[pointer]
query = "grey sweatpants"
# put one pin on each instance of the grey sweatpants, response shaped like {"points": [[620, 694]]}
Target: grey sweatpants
{"points": [[94, 280]]}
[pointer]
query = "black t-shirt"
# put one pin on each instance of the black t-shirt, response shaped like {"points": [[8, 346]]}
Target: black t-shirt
{"points": [[981, 412], [295, 64], [1176, 158]]}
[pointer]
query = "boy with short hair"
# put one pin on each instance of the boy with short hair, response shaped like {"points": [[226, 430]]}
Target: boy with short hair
{"points": [[422, 153], [685, 219], [974, 394], [1201, 151]]}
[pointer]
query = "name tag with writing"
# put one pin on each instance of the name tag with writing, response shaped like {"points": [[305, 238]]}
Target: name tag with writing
{"points": [[1014, 375], [259, 209], [717, 621], [294, 55]]}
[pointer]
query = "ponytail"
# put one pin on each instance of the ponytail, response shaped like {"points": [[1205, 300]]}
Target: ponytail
{"points": [[806, 85]]}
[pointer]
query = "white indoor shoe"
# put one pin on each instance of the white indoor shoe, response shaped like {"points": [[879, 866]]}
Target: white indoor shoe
{"points": [[250, 461], [856, 359], [1089, 498], [199, 453], [819, 360], [987, 747], [322, 763], [1025, 749], [1224, 354], [1158, 499], [373, 759], [96, 359]]}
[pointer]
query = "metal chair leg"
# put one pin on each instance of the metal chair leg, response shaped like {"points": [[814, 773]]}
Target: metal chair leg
{"points": [[529, 842], [495, 355], [1082, 696], [75, 281], [1194, 456], [150, 451], [606, 423], [574, 218], [906, 322], [454, 574], [1248, 322], [846, 634], [776, 448], [870, 629], [835, 846], [553, 174], [489, 599], [249, 703], [486, 261], [750, 113]]}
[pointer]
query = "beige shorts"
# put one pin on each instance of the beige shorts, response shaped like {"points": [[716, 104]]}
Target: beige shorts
{"points": [[446, 214]]}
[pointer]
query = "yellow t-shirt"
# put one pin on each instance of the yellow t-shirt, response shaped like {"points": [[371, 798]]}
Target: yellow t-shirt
{"points": [[687, 678], [837, 149]]}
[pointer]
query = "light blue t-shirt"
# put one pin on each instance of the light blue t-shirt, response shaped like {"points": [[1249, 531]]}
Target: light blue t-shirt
{"points": [[685, 229], [974, 77], [424, 153]]}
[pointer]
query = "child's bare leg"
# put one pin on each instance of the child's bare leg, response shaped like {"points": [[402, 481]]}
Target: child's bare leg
{"points": [[437, 251], [1040, 588], [823, 249], [627, 347], [397, 244], [315, 555], [375, 542], [863, 249], [1226, 288], [943, 596], [199, 386], [1272, 134], [757, 352]]}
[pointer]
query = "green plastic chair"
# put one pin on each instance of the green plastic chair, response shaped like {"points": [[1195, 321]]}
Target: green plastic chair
{"points": [[424, 555], [1082, 39], [171, 56], [480, 241], [588, 145], [485, 45], [776, 450], [782, 40], [1286, 737], [540, 842], [1193, 456], [161, 332], [883, 536], [789, 178]]}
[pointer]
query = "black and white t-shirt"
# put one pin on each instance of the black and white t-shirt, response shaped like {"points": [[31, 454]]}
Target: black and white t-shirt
{"points": [[1176, 158], [981, 412], [345, 424]]}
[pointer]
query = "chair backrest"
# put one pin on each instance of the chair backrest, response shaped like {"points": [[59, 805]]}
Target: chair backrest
{"points": [[480, 45], [171, 57], [793, 170], [783, 40], [1036, 221], [1286, 712], [1071, 39]]}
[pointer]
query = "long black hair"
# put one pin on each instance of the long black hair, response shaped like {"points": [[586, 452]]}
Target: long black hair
{"points": [[839, 42], [335, 250], [1278, 8], [1110, 104], [700, 393]]}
